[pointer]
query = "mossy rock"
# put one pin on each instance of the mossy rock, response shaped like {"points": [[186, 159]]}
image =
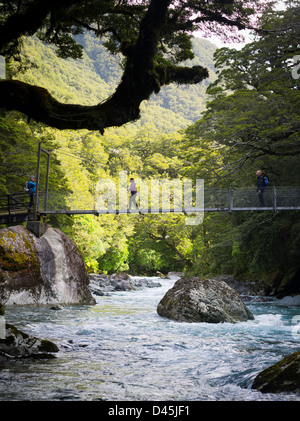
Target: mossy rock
{"points": [[17, 251], [18, 344], [283, 376], [32, 269]]}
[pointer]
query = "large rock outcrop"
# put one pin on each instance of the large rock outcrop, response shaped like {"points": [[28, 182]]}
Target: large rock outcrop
{"points": [[46, 270], [203, 300], [283, 376]]}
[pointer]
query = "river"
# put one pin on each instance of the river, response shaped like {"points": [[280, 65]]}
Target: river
{"points": [[121, 350]]}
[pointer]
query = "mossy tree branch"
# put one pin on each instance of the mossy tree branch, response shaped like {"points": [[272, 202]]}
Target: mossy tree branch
{"points": [[141, 77], [153, 36]]}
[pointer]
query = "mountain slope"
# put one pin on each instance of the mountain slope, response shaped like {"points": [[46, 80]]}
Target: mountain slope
{"points": [[94, 78]]}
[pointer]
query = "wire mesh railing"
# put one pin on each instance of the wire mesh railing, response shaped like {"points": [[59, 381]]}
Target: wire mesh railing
{"points": [[16, 202], [272, 198], [214, 199], [15, 208]]}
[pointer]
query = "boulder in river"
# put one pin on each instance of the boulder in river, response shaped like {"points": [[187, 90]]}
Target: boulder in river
{"points": [[18, 344], [284, 376], [203, 300], [46, 270]]}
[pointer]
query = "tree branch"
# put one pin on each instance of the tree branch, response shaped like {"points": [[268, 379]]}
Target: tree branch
{"points": [[141, 77]]}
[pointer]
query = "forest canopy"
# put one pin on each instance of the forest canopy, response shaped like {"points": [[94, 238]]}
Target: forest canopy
{"points": [[251, 122], [153, 37]]}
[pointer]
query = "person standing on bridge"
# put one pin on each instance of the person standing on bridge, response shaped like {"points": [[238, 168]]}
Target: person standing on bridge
{"points": [[260, 188], [133, 192], [31, 190]]}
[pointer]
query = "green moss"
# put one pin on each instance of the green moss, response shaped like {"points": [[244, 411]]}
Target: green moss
{"points": [[47, 346], [17, 252], [16, 331], [22, 345], [283, 376]]}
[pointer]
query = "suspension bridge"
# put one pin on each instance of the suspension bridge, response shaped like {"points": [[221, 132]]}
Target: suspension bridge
{"points": [[14, 208]]}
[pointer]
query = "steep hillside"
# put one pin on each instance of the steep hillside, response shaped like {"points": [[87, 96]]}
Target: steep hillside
{"points": [[94, 78]]}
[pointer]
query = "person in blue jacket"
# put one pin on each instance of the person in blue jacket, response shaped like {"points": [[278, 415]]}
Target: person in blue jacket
{"points": [[31, 190]]}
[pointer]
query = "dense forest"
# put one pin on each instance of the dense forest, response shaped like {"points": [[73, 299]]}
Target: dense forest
{"points": [[243, 118]]}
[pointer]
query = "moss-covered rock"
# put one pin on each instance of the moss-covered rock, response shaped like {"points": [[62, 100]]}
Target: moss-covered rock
{"points": [[46, 270], [18, 344], [19, 264], [17, 250], [283, 376]]}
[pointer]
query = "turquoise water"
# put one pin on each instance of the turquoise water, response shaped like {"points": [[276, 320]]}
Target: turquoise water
{"points": [[121, 349]]}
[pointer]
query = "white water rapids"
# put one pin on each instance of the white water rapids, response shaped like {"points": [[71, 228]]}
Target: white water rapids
{"points": [[121, 350]]}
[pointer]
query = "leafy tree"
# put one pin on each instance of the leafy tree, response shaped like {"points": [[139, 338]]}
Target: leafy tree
{"points": [[18, 160], [159, 243], [252, 122], [259, 121], [152, 35]]}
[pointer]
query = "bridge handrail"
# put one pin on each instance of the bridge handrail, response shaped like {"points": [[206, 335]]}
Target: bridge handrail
{"points": [[215, 199], [14, 201], [218, 199]]}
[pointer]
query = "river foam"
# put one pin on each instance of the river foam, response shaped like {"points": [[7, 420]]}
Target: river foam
{"points": [[121, 349]]}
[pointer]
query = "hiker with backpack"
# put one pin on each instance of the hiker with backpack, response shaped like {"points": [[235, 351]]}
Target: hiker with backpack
{"points": [[262, 183], [30, 187]]}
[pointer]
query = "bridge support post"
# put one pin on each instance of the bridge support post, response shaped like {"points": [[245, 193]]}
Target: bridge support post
{"points": [[36, 202], [274, 199], [47, 176], [37, 180], [230, 198], [38, 228]]}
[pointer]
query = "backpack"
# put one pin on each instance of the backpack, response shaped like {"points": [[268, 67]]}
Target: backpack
{"points": [[266, 182], [26, 188]]}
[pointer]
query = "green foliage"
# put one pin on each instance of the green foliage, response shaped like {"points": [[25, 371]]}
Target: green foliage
{"points": [[157, 245], [251, 122], [120, 23], [18, 159], [19, 146]]}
